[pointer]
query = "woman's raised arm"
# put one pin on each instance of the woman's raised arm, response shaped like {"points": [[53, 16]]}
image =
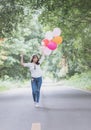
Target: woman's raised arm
{"points": [[22, 60], [23, 63], [42, 58]]}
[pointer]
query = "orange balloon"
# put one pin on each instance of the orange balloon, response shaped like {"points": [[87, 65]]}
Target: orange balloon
{"points": [[57, 39]]}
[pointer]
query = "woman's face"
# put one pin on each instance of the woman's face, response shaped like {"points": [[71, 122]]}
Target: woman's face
{"points": [[35, 59]]}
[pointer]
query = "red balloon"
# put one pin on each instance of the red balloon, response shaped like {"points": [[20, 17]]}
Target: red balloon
{"points": [[46, 42]]}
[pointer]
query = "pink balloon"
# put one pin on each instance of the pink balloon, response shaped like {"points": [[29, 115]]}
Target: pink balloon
{"points": [[52, 45]]}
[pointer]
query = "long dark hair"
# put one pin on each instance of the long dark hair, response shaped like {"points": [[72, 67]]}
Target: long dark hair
{"points": [[37, 60]]}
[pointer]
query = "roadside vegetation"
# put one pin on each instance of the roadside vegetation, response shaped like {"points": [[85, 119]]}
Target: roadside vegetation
{"points": [[23, 24]]}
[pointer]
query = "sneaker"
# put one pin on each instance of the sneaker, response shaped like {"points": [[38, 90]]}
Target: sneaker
{"points": [[37, 105]]}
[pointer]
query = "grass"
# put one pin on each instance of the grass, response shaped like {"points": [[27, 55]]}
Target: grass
{"points": [[82, 81], [3, 88], [12, 84]]}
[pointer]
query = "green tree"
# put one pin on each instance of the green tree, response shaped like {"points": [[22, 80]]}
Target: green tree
{"points": [[24, 22]]}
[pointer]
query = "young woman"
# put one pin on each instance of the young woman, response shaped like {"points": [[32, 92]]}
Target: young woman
{"points": [[36, 74]]}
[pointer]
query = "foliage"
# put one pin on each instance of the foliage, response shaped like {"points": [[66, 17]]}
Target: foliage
{"points": [[23, 24], [9, 83], [73, 17], [26, 39], [82, 80]]}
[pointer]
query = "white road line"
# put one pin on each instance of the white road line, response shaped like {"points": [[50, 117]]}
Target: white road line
{"points": [[36, 126]]}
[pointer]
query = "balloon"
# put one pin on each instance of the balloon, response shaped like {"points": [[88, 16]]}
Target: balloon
{"points": [[49, 35], [52, 45], [57, 39], [42, 43], [45, 41], [56, 32], [46, 50]]}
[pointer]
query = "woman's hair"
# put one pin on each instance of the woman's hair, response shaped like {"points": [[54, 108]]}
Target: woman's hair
{"points": [[37, 58]]}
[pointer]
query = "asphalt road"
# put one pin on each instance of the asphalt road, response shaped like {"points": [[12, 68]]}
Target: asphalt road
{"points": [[61, 109]]}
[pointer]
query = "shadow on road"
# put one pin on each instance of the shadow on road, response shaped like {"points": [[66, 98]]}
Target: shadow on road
{"points": [[63, 109]]}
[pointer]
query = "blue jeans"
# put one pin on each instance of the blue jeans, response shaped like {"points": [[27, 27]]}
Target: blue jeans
{"points": [[36, 85]]}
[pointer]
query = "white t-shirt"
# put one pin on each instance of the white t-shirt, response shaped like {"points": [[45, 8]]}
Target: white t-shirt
{"points": [[34, 68]]}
